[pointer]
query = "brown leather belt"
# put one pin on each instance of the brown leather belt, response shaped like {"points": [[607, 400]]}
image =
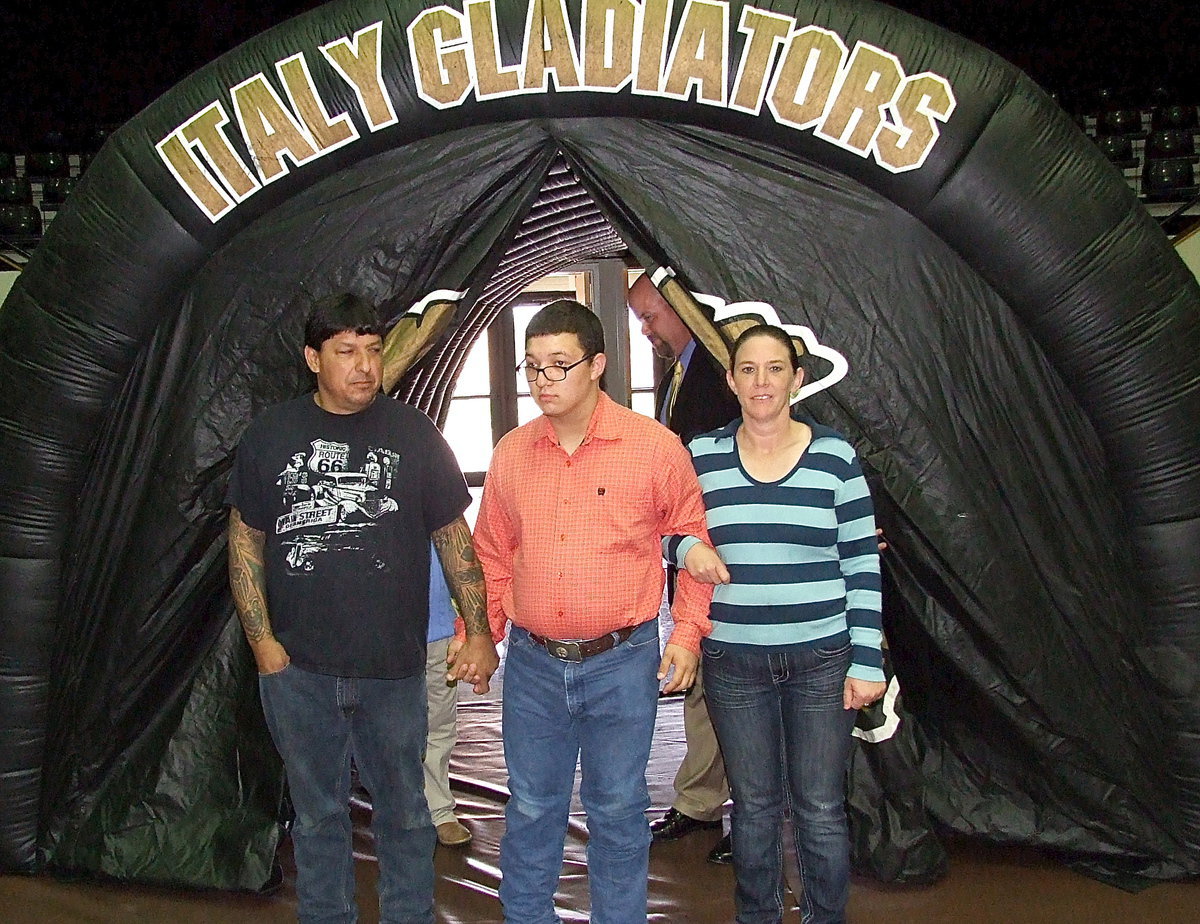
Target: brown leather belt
{"points": [[577, 651]]}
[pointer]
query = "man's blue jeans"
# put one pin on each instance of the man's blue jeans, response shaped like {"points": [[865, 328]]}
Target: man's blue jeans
{"points": [[318, 722], [601, 712], [786, 739]]}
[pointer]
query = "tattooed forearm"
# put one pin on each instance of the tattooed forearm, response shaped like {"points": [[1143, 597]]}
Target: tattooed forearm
{"points": [[247, 578], [464, 574]]}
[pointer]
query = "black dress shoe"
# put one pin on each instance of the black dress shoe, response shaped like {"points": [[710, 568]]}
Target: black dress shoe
{"points": [[723, 852], [675, 824]]}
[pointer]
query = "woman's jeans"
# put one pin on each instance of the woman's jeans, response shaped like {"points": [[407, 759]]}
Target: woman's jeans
{"points": [[599, 711], [317, 722], [786, 740]]}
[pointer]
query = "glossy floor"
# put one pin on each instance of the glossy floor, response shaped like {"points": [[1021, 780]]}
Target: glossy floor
{"points": [[984, 884]]}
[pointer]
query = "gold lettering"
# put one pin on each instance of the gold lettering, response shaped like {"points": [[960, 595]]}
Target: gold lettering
{"points": [[270, 129], [439, 57], [766, 31], [801, 86], [328, 133], [700, 57], [608, 43], [861, 101], [204, 130], [187, 170], [868, 84], [549, 46], [923, 101], [358, 63], [490, 78], [651, 45]]}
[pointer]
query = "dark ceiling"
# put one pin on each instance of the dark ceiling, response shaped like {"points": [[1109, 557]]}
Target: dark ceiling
{"points": [[71, 64]]}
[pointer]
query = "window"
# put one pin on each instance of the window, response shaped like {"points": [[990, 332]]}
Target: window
{"points": [[471, 411]]}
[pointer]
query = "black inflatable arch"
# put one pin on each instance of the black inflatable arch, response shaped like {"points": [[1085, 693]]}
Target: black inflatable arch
{"points": [[1025, 350]]}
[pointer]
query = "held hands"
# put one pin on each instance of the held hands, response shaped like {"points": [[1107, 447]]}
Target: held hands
{"points": [[859, 693], [473, 661], [704, 564], [684, 663]]}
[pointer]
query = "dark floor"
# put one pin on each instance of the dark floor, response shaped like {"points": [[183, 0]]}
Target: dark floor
{"points": [[985, 884]]}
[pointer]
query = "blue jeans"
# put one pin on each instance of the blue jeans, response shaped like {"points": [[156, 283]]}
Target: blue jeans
{"points": [[318, 722], [601, 712], [786, 740]]}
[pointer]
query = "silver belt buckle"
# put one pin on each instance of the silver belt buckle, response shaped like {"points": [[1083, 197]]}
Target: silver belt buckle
{"points": [[564, 651]]}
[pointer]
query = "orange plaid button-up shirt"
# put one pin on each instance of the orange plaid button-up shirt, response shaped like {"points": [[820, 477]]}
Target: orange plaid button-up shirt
{"points": [[571, 544]]}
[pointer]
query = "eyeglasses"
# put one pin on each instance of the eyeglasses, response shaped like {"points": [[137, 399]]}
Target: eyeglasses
{"points": [[552, 373]]}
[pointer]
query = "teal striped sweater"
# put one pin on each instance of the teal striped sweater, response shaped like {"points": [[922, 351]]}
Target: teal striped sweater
{"points": [[802, 553]]}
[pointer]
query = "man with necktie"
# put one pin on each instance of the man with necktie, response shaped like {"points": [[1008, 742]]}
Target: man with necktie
{"points": [[693, 398]]}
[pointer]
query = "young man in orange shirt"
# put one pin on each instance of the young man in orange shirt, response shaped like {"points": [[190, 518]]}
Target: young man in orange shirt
{"points": [[573, 511]]}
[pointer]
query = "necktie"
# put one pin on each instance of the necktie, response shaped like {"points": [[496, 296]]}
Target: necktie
{"points": [[676, 381]]}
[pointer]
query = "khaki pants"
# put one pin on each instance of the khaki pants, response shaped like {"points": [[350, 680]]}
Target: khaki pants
{"points": [[700, 785], [443, 733]]}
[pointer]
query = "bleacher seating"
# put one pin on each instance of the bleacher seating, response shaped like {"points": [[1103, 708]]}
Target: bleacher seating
{"points": [[1169, 143], [1173, 115], [56, 189], [1118, 149], [1127, 122], [33, 187], [20, 221], [42, 164], [16, 190], [1152, 138], [1169, 180]]}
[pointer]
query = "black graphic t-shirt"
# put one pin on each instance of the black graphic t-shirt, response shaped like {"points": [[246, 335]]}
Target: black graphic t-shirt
{"points": [[347, 503]]}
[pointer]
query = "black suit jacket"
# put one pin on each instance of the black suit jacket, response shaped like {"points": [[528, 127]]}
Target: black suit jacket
{"points": [[704, 402]]}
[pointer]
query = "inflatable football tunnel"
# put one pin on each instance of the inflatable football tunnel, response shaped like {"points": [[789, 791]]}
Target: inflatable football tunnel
{"points": [[1023, 387]]}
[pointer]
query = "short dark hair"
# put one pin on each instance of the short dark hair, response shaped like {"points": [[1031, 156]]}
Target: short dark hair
{"points": [[766, 330], [337, 313], [567, 316]]}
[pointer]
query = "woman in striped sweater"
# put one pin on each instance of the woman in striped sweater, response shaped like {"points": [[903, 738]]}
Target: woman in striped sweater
{"points": [[795, 645]]}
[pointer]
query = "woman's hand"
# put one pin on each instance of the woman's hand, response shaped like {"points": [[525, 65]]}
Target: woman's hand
{"points": [[704, 564], [858, 693]]}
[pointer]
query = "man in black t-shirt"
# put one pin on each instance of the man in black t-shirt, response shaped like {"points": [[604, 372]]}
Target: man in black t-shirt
{"points": [[334, 499]]}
